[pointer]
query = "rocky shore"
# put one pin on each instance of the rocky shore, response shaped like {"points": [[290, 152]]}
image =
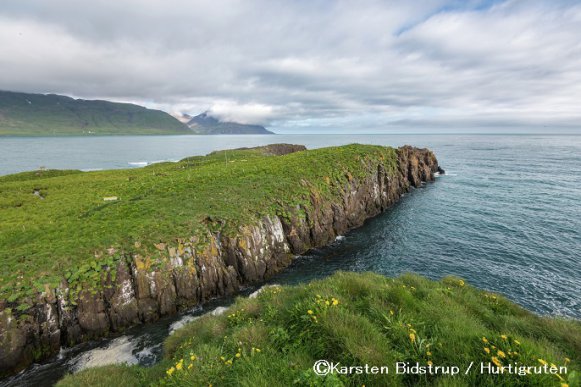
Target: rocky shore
{"points": [[141, 291]]}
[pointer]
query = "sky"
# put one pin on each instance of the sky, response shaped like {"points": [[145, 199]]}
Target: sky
{"points": [[309, 66]]}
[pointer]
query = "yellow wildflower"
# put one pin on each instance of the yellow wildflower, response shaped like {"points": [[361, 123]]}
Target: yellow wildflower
{"points": [[222, 358], [391, 312], [335, 302], [496, 361], [504, 337], [412, 337], [517, 342], [484, 340], [429, 353], [430, 362], [238, 354], [170, 371], [258, 350], [564, 385], [543, 362], [461, 282], [567, 360], [486, 349], [193, 357], [309, 311], [501, 354], [190, 366], [327, 303], [179, 366]]}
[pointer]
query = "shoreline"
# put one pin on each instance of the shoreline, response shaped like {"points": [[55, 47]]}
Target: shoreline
{"points": [[138, 295]]}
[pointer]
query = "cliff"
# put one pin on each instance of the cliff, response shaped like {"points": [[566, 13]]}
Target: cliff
{"points": [[333, 190], [427, 333]]}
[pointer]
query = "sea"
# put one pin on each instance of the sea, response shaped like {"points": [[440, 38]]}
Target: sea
{"points": [[506, 217]]}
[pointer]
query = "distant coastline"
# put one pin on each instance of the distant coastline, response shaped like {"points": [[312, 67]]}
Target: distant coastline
{"points": [[52, 115]]}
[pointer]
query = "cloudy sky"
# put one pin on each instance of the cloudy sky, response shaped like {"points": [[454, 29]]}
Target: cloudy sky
{"points": [[309, 65]]}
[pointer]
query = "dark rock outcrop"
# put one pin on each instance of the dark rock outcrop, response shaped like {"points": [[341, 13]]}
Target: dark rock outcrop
{"points": [[272, 149], [142, 292]]}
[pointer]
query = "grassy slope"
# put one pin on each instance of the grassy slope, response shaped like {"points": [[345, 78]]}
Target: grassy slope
{"points": [[70, 231], [48, 115], [376, 321]]}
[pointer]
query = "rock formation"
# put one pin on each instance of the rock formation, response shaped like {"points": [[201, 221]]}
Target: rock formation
{"points": [[141, 292]]}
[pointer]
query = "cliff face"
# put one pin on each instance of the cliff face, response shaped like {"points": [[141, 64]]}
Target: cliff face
{"points": [[141, 292]]}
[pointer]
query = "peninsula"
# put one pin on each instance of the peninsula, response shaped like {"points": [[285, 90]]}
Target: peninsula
{"points": [[87, 254]]}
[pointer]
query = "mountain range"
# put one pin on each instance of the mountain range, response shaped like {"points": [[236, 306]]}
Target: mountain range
{"points": [[26, 114], [206, 124]]}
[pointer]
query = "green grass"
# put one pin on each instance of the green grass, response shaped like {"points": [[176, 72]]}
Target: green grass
{"points": [[23, 114], [68, 230], [358, 319]]}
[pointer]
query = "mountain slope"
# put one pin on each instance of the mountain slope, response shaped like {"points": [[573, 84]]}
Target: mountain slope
{"points": [[24, 114], [206, 124]]}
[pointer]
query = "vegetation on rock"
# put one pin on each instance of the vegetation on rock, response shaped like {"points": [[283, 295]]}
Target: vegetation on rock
{"points": [[57, 224], [357, 319]]}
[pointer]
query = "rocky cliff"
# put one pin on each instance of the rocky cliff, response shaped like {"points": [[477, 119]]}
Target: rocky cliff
{"points": [[138, 290]]}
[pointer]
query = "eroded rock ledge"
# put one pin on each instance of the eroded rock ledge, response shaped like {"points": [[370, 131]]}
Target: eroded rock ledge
{"points": [[142, 292]]}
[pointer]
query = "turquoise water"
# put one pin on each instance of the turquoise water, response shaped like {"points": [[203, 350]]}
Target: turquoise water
{"points": [[506, 217]]}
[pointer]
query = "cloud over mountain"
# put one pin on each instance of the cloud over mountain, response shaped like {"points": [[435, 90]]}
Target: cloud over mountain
{"points": [[316, 65]]}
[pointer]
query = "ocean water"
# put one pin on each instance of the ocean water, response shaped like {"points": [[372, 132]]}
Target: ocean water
{"points": [[506, 217]]}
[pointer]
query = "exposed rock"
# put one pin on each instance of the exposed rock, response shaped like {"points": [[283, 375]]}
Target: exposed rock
{"points": [[142, 292], [274, 149]]}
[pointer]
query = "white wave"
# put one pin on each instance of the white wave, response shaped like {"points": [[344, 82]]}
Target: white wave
{"points": [[147, 352], [189, 318], [118, 351], [181, 322], [138, 163], [340, 238]]}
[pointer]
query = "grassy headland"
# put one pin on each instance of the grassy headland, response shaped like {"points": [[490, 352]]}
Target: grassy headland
{"points": [[357, 319], [71, 224]]}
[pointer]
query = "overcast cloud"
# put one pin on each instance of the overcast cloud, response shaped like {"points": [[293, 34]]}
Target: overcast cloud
{"points": [[302, 65]]}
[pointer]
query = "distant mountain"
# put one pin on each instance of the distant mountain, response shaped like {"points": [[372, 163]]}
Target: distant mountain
{"points": [[206, 124], [23, 114]]}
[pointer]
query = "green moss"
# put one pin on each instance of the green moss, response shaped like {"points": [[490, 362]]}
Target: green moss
{"points": [[73, 232], [358, 319]]}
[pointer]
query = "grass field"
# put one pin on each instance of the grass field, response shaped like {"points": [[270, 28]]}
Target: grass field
{"points": [[357, 319], [57, 224]]}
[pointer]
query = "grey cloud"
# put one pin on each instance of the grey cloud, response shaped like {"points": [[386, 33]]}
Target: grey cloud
{"points": [[321, 63]]}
